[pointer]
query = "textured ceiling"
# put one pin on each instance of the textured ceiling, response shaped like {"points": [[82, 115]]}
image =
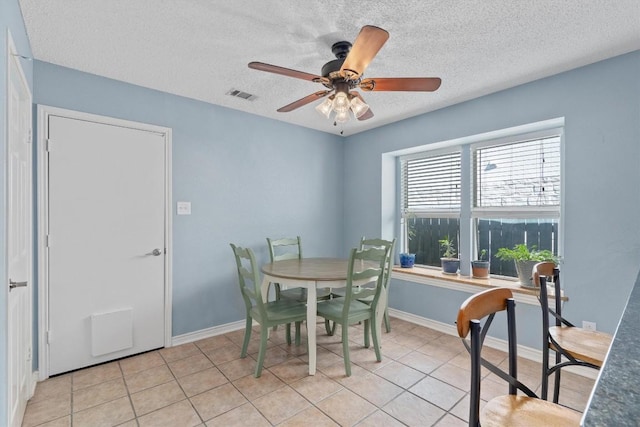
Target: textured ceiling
{"points": [[200, 48]]}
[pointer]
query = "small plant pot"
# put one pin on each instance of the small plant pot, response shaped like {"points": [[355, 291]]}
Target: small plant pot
{"points": [[450, 265], [407, 260], [480, 269], [524, 270]]}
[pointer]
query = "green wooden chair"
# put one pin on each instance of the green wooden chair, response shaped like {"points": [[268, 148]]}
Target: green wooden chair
{"points": [[348, 310], [384, 244], [267, 314], [291, 248]]}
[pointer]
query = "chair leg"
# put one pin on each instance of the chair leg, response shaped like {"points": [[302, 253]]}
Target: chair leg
{"points": [[345, 349], [276, 286], [545, 369], [367, 327], [376, 330], [288, 333], [247, 337], [331, 329], [387, 323], [556, 386], [263, 349], [298, 333]]}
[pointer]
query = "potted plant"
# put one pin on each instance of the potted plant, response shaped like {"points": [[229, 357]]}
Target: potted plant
{"points": [[450, 263], [480, 267], [407, 259], [525, 259]]}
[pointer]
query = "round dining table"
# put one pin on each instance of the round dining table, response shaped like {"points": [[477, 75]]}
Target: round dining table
{"points": [[309, 273]]}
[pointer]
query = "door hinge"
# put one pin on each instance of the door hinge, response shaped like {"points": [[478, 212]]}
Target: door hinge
{"points": [[48, 145], [48, 241], [29, 136], [48, 337]]}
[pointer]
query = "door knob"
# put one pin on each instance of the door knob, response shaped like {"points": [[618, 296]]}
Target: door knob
{"points": [[155, 252], [13, 284]]}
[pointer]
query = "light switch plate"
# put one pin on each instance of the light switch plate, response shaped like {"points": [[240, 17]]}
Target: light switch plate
{"points": [[183, 208]]}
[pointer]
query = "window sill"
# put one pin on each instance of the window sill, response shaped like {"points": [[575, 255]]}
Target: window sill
{"points": [[435, 277]]}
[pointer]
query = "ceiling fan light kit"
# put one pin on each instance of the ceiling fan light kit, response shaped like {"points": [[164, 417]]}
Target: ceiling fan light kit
{"points": [[340, 76]]}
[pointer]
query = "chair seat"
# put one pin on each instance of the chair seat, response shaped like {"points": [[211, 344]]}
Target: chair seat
{"points": [[332, 310], [590, 346], [526, 411], [282, 311], [300, 294]]}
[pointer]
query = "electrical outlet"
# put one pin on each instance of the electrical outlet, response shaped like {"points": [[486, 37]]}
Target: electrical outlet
{"points": [[589, 326]]}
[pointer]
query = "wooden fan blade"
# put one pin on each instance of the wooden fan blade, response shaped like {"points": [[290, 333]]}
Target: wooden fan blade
{"points": [[304, 101], [364, 49], [284, 71], [411, 84], [368, 114]]}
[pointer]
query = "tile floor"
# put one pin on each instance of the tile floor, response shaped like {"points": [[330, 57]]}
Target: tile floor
{"points": [[423, 380]]}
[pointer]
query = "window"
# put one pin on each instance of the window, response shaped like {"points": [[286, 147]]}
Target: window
{"points": [[514, 190], [431, 189]]}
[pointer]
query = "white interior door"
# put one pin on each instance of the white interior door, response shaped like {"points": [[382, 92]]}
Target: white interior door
{"points": [[19, 241], [106, 242]]}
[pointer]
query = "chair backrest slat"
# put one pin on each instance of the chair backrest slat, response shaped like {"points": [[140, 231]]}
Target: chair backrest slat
{"points": [[365, 265], [285, 248]]}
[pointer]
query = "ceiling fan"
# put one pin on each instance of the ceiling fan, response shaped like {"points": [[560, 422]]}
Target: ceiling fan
{"points": [[345, 73]]}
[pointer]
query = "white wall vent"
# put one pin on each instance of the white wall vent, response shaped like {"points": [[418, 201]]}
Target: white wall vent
{"points": [[240, 94]]}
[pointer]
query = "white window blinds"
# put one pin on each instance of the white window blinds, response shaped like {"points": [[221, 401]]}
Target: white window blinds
{"points": [[518, 176], [431, 185]]}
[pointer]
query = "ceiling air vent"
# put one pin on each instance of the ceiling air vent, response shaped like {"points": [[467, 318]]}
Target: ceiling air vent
{"points": [[240, 94]]}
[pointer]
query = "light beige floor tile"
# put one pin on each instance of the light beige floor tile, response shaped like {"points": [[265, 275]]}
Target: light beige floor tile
{"points": [[291, 370], [399, 374], [375, 389], [51, 387], [309, 417], [410, 341], [217, 401], [252, 387], [242, 416], [189, 365], [213, 342], [149, 378], [94, 375], [346, 407], [47, 410], [223, 354], [172, 354], [98, 394], [413, 411], [421, 362], [157, 397], [380, 418], [238, 368], [316, 387], [178, 414], [439, 352], [131, 423], [274, 356], [440, 394], [461, 410], [108, 414], [141, 362], [454, 375], [202, 381], [426, 334], [59, 422], [451, 421], [280, 404]]}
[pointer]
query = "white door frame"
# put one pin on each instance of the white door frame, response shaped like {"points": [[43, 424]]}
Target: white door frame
{"points": [[44, 112], [13, 55]]}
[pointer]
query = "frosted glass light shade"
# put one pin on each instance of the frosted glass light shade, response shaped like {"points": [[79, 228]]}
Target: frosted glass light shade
{"points": [[342, 116], [358, 107], [341, 103], [325, 107]]}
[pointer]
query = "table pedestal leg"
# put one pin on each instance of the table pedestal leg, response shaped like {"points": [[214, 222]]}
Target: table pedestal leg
{"points": [[311, 325]]}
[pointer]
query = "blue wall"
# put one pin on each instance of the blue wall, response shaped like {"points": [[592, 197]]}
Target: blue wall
{"points": [[246, 177], [601, 107], [10, 20]]}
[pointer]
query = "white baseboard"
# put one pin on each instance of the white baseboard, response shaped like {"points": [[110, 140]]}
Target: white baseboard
{"points": [[207, 333], [498, 344]]}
